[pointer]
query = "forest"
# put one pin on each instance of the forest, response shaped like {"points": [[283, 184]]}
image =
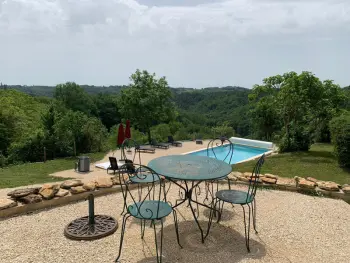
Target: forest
{"points": [[292, 110]]}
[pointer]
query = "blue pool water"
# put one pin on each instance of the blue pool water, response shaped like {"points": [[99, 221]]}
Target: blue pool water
{"points": [[240, 153]]}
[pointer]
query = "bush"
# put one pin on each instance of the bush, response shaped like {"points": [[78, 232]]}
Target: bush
{"points": [[161, 132], [30, 149], [340, 134], [298, 139]]}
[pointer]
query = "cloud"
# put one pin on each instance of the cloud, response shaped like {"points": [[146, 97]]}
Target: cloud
{"points": [[138, 31]]}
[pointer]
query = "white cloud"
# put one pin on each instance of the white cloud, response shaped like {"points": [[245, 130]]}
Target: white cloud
{"points": [[211, 43]]}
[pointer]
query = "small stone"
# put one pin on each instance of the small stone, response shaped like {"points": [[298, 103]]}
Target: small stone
{"points": [[77, 190], [247, 174], [303, 183], [104, 182], [243, 179], [7, 203], [311, 179], [346, 188], [234, 175], [271, 176], [31, 199], [23, 192], [62, 192], [48, 191], [89, 186], [116, 179], [285, 182], [329, 186], [267, 180], [71, 183]]}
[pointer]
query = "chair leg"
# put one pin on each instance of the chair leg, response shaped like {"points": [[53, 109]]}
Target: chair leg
{"points": [[143, 226], [159, 254], [254, 216], [124, 193], [125, 217], [176, 227], [246, 228]]}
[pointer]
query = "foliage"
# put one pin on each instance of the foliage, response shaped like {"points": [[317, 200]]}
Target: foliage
{"points": [[146, 101], [319, 162], [340, 130], [223, 130], [30, 149], [87, 133], [107, 109], [295, 108], [75, 98], [19, 117], [161, 132]]}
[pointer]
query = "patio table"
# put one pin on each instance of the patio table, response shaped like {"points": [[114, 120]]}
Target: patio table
{"points": [[192, 170]]}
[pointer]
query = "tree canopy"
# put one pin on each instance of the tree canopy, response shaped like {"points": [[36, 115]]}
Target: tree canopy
{"points": [[147, 101]]}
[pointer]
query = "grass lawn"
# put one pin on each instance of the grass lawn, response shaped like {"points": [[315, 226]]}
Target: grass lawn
{"points": [[319, 163], [35, 173]]}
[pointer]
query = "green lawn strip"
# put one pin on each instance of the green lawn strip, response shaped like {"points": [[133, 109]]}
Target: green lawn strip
{"points": [[35, 173], [319, 163]]}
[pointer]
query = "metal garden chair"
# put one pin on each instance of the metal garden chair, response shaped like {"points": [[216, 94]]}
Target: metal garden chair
{"points": [[243, 198], [150, 205], [217, 147], [130, 146]]}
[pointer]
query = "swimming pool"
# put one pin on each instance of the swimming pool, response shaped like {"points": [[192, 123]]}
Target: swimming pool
{"points": [[240, 153]]}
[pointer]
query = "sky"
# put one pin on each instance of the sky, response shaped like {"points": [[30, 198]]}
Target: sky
{"points": [[194, 43]]}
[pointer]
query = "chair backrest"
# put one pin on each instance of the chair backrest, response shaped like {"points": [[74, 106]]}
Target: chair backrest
{"points": [[152, 191], [254, 179], [130, 146], [220, 148], [170, 139], [113, 162]]}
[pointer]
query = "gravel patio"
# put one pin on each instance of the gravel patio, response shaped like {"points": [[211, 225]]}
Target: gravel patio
{"points": [[292, 228]]}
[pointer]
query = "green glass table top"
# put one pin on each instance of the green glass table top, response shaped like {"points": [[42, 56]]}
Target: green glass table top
{"points": [[190, 167]]}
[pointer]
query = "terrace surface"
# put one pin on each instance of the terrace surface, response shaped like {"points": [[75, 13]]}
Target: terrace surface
{"points": [[292, 228]]}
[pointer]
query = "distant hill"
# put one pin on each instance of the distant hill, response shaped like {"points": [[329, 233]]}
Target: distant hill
{"points": [[48, 91]]}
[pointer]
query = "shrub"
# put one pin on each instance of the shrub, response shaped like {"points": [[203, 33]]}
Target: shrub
{"points": [[161, 132], [30, 149], [298, 139], [340, 134]]}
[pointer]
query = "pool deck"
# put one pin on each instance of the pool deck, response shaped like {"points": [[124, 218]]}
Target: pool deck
{"points": [[95, 173]]}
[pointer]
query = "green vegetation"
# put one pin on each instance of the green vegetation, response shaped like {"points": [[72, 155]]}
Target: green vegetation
{"points": [[147, 101], [294, 110], [36, 173], [340, 130], [319, 162]]}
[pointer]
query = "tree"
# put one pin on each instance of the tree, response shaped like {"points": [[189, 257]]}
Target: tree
{"points": [[297, 107], [75, 98], [147, 101]]}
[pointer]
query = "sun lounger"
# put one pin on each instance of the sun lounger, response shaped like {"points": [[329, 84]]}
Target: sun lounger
{"points": [[146, 149], [160, 145], [172, 142]]}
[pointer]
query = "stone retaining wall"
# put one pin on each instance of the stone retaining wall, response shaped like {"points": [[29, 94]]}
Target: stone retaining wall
{"points": [[27, 200]]}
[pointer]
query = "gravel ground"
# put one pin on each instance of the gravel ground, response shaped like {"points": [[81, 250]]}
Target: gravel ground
{"points": [[292, 228]]}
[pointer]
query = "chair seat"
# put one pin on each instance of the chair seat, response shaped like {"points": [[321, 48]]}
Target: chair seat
{"points": [[234, 196], [144, 178], [150, 209]]}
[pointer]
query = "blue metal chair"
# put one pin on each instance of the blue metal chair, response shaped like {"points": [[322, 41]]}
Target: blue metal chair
{"points": [[129, 146], [147, 205], [243, 198]]}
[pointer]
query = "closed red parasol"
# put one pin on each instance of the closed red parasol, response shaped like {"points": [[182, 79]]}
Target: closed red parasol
{"points": [[127, 130], [121, 136]]}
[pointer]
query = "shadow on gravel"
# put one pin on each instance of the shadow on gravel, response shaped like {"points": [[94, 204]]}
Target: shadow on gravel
{"points": [[222, 245]]}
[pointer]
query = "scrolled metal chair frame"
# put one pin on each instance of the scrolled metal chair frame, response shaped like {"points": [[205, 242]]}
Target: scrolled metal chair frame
{"points": [[155, 194]]}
